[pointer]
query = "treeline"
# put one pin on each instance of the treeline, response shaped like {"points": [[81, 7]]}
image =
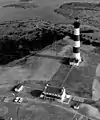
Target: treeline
{"points": [[85, 37], [16, 44], [19, 38]]}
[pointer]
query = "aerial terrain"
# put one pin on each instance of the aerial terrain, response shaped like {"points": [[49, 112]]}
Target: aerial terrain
{"points": [[36, 36]]}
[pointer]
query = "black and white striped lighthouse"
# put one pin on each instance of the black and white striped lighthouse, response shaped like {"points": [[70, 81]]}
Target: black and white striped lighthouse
{"points": [[76, 45]]}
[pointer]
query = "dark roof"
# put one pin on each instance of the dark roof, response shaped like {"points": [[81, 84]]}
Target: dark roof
{"points": [[53, 90], [52, 96]]}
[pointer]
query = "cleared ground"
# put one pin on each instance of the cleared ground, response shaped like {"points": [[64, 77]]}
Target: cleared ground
{"points": [[89, 110], [35, 109], [41, 67], [36, 68], [44, 111]]}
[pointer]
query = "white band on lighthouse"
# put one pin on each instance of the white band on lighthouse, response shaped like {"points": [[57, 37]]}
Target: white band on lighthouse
{"points": [[77, 44], [77, 56], [76, 31]]}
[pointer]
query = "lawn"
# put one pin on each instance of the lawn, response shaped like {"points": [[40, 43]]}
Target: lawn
{"points": [[80, 79], [42, 111]]}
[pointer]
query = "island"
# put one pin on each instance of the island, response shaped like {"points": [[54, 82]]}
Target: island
{"points": [[24, 5]]}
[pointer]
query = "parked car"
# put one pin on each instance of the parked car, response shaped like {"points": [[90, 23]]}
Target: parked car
{"points": [[18, 100], [75, 106]]}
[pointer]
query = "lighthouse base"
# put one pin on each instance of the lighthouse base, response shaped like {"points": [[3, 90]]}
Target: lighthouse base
{"points": [[75, 61]]}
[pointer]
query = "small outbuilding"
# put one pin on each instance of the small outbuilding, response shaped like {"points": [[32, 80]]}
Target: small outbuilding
{"points": [[54, 93], [19, 88]]}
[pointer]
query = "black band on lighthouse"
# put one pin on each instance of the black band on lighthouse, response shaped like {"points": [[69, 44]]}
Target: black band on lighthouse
{"points": [[76, 49], [76, 24], [76, 38]]}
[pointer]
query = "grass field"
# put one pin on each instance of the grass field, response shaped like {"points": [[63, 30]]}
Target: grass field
{"points": [[36, 110], [79, 82], [42, 111]]}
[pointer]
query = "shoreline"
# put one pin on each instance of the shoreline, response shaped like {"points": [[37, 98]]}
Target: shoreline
{"points": [[88, 15]]}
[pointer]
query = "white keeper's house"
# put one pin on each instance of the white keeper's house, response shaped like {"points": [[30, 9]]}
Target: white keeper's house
{"points": [[53, 93]]}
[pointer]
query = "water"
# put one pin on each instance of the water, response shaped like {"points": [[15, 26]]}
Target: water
{"points": [[45, 11]]}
